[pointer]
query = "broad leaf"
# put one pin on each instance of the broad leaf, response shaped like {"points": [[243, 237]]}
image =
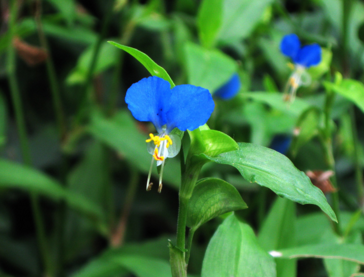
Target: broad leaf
{"points": [[121, 133], [275, 171], [14, 175], [153, 68], [240, 17], [211, 142], [212, 197], [307, 127], [67, 8], [142, 266], [348, 252], [278, 232], [234, 251], [350, 89], [275, 100], [209, 69], [209, 21]]}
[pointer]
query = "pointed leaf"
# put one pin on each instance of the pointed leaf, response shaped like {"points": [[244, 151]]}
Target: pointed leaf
{"points": [[275, 171], [212, 197], [211, 142], [234, 251], [153, 68], [351, 89]]}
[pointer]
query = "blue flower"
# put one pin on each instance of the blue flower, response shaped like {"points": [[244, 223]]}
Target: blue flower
{"points": [[185, 107], [281, 143], [303, 57], [229, 89]]}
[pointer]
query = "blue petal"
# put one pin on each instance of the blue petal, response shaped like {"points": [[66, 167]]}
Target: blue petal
{"points": [[281, 143], [229, 89], [290, 45], [309, 55], [190, 107], [148, 100]]}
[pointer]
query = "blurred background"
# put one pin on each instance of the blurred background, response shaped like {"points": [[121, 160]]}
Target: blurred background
{"points": [[74, 162]]}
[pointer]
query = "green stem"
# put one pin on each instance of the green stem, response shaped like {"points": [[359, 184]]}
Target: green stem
{"points": [[329, 155], [358, 170], [189, 179], [191, 233], [18, 110], [56, 96], [346, 8]]}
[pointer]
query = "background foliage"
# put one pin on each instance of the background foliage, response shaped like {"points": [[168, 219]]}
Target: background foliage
{"points": [[74, 164]]}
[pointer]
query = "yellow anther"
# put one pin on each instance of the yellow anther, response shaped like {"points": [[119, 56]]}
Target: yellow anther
{"points": [[156, 156], [169, 141], [293, 83], [291, 66], [157, 140]]}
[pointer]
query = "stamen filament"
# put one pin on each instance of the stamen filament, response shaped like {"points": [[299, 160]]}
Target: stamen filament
{"points": [[149, 185], [160, 178]]}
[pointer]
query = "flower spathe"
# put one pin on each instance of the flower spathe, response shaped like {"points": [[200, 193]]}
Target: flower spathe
{"points": [[185, 107], [303, 57]]}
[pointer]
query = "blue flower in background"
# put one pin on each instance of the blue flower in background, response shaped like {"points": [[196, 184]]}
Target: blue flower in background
{"points": [[281, 143], [303, 57], [185, 107], [229, 89]]}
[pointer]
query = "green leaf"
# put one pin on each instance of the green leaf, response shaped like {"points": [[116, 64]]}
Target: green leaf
{"points": [[14, 175], [209, 69], [121, 133], [210, 142], [275, 171], [105, 59], [278, 231], [144, 266], [209, 21], [90, 179], [275, 100], [212, 197], [234, 251], [105, 265], [240, 18], [307, 127], [348, 252], [153, 68], [67, 8], [351, 89]]}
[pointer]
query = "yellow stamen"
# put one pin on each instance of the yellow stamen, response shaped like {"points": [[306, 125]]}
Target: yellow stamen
{"points": [[157, 140], [293, 83], [156, 156], [291, 66]]}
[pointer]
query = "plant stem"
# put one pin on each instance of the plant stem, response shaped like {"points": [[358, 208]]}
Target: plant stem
{"points": [[56, 97], [18, 110], [191, 233], [358, 170], [327, 144], [189, 179], [346, 8], [118, 237]]}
